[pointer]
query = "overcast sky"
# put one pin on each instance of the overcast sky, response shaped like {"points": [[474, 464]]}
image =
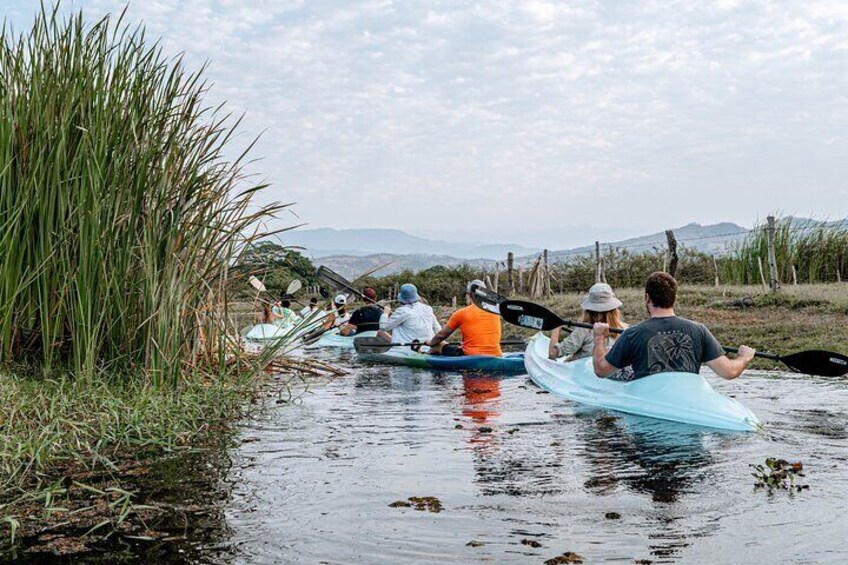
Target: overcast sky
{"points": [[513, 120]]}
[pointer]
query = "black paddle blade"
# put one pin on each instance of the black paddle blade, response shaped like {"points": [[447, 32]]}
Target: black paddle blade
{"points": [[486, 299], [817, 362], [529, 315], [366, 345], [335, 280]]}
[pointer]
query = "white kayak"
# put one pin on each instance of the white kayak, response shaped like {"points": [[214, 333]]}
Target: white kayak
{"points": [[679, 397], [333, 338], [267, 332]]}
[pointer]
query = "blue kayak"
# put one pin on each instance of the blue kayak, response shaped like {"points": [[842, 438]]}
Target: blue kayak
{"points": [[511, 363]]}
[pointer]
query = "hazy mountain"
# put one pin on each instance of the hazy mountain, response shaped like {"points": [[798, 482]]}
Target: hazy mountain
{"points": [[324, 242], [352, 266], [716, 238]]}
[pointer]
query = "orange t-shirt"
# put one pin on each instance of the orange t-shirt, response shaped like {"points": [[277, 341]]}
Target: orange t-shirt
{"points": [[481, 330]]}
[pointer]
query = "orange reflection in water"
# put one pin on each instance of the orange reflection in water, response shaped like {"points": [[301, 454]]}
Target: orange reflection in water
{"points": [[480, 391]]}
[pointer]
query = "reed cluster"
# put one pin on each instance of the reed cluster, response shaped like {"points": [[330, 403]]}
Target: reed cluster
{"points": [[119, 214], [817, 251]]}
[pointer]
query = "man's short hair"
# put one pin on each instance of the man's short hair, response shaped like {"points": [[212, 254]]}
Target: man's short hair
{"points": [[661, 288]]}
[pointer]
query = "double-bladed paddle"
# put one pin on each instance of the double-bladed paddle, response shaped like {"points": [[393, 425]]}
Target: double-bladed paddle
{"points": [[486, 299], [372, 345], [812, 362]]}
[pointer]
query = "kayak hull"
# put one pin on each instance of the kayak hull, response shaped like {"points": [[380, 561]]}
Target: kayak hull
{"points": [[334, 339], [264, 333], [511, 363], [679, 397]]}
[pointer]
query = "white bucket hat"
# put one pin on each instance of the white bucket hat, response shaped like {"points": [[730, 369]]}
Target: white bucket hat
{"points": [[475, 283], [601, 298], [341, 299]]}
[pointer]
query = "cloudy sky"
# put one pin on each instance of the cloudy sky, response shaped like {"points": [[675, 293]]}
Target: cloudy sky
{"points": [[520, 120]]}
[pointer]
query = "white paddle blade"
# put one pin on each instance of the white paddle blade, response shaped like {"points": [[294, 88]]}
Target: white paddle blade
{"points": [[294, 286], [256, 283]]}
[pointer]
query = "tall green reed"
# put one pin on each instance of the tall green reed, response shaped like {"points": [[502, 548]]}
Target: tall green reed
{"points": [[119, 214], [818, 251]]}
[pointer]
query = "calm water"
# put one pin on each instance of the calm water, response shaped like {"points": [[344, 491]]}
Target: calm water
{"points": [[314, 481]]}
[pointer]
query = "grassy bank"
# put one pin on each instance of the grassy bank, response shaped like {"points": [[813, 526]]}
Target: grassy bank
{"points": [[796, 318], [67, 444]]}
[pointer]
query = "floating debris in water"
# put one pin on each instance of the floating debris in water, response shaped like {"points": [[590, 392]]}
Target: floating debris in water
{"points": [[531, 543], [474, 543], [612, 516], [485, 430], [458, 427], [422, 503], [567, 557], [512, 431], [555, 444], [780, 474]]}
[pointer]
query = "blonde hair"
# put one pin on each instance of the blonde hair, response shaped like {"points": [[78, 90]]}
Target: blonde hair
{"points": [[612, 318]]}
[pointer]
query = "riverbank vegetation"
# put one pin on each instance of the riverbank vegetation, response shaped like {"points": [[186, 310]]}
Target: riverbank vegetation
{"points": [[120, 220]]}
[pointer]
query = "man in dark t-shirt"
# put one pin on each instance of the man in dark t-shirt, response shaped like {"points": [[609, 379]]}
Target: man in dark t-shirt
{"points": [[366, 318], [665, 343]]}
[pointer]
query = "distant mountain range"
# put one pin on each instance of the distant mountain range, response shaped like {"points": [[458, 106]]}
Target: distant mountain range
{"points": [[324, 242], [354, 252], [715, 238]]}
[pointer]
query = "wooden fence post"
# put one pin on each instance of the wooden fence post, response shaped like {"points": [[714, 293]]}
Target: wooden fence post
{"points": [[598, 268], [510, 280], [794, 276], [547, 274], [520, 280], [774, 283], [762, 276], [672, 252], [497, 276], [453, 303], [715, 269]]}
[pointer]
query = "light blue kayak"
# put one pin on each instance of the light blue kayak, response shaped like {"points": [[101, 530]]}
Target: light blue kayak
{"points": [[679, 397], [334, 339]]}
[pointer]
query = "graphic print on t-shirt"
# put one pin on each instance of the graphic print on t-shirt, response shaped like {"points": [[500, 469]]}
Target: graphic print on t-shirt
{"points": [[672, 352]]}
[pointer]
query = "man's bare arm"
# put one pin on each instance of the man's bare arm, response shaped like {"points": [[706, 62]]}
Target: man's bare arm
{"points": [[599, 353], [443, 334], [728, 368]]}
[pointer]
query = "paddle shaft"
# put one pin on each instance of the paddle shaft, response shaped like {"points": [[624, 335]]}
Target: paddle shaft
{"points": [[444, 343], [762, 354]]}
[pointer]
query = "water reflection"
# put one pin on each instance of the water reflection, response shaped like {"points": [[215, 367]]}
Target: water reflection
{"points": [[654, 457]]}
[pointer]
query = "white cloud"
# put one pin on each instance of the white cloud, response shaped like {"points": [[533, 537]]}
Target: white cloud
{"points": [[407, 114]]}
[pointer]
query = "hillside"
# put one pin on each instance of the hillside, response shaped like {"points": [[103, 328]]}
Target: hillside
{"points": [[351, 266], [716, 238], [325, 242]]}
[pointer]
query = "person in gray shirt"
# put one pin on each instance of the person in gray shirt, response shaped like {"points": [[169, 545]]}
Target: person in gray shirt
{"points": [[664, 343]]}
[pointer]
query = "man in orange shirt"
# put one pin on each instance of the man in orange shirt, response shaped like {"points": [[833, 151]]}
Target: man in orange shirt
{"points": [[481, 330]]}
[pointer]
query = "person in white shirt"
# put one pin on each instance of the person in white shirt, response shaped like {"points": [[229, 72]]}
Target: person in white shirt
{"points": [[309, 308], [412, 321]]}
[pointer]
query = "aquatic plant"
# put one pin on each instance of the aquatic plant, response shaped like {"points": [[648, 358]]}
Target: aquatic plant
{"points": [[119, 215], [779, 474]]}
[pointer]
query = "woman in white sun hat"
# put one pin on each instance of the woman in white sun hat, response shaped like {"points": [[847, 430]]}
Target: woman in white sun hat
{"points": [[600, 305]]}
